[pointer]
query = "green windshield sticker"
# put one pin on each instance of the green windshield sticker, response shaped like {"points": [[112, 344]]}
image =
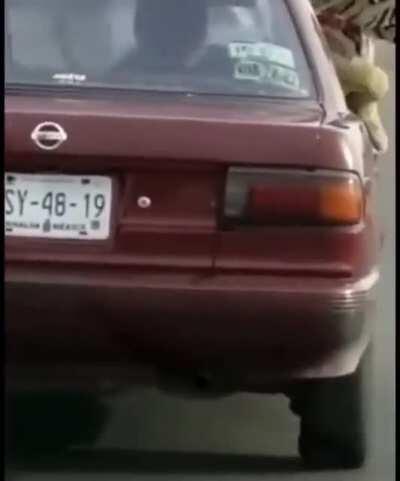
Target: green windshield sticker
{"points": [[249, 70], [266, 73], [262, 51]]}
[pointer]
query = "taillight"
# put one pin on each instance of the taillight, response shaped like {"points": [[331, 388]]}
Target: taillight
{"points": [[293, 197]]}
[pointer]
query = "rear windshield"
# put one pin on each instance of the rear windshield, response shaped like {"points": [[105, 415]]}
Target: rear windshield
{"points": [[230, 47]]}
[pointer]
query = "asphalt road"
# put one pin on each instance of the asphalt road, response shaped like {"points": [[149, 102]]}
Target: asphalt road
{"points": [[155, 437]]}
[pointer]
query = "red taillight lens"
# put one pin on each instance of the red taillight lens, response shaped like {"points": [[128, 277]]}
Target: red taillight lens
{"points": [[266, 197]]}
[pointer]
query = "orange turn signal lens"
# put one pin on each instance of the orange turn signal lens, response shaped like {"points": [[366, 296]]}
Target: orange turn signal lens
{"points": [[341, 202]]}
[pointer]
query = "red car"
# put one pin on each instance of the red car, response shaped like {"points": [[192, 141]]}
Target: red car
{"points": [[188, 202]]}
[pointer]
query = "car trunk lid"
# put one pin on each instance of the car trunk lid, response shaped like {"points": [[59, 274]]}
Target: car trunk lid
{"points": [[171, 152]]}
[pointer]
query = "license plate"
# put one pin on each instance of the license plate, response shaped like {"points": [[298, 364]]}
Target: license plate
{"points": [[57, 206]]}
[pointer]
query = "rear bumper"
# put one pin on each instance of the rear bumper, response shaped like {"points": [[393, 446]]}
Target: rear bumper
{"points": [[106, 325]]}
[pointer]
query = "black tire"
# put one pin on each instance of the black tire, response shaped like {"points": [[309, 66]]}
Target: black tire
{"points": [[49, 423], [333, 420]]}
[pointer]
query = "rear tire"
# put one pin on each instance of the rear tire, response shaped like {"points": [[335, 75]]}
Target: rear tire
{"points": [[333, 420]]}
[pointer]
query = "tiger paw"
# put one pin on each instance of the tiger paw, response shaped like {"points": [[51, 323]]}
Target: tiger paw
{"points": [[367, 77]]}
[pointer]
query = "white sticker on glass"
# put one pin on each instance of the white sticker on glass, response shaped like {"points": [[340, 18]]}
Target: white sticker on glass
{"points": [[267, 73], [283, 76], [262, 50], [69, 78], [250, 70]]}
